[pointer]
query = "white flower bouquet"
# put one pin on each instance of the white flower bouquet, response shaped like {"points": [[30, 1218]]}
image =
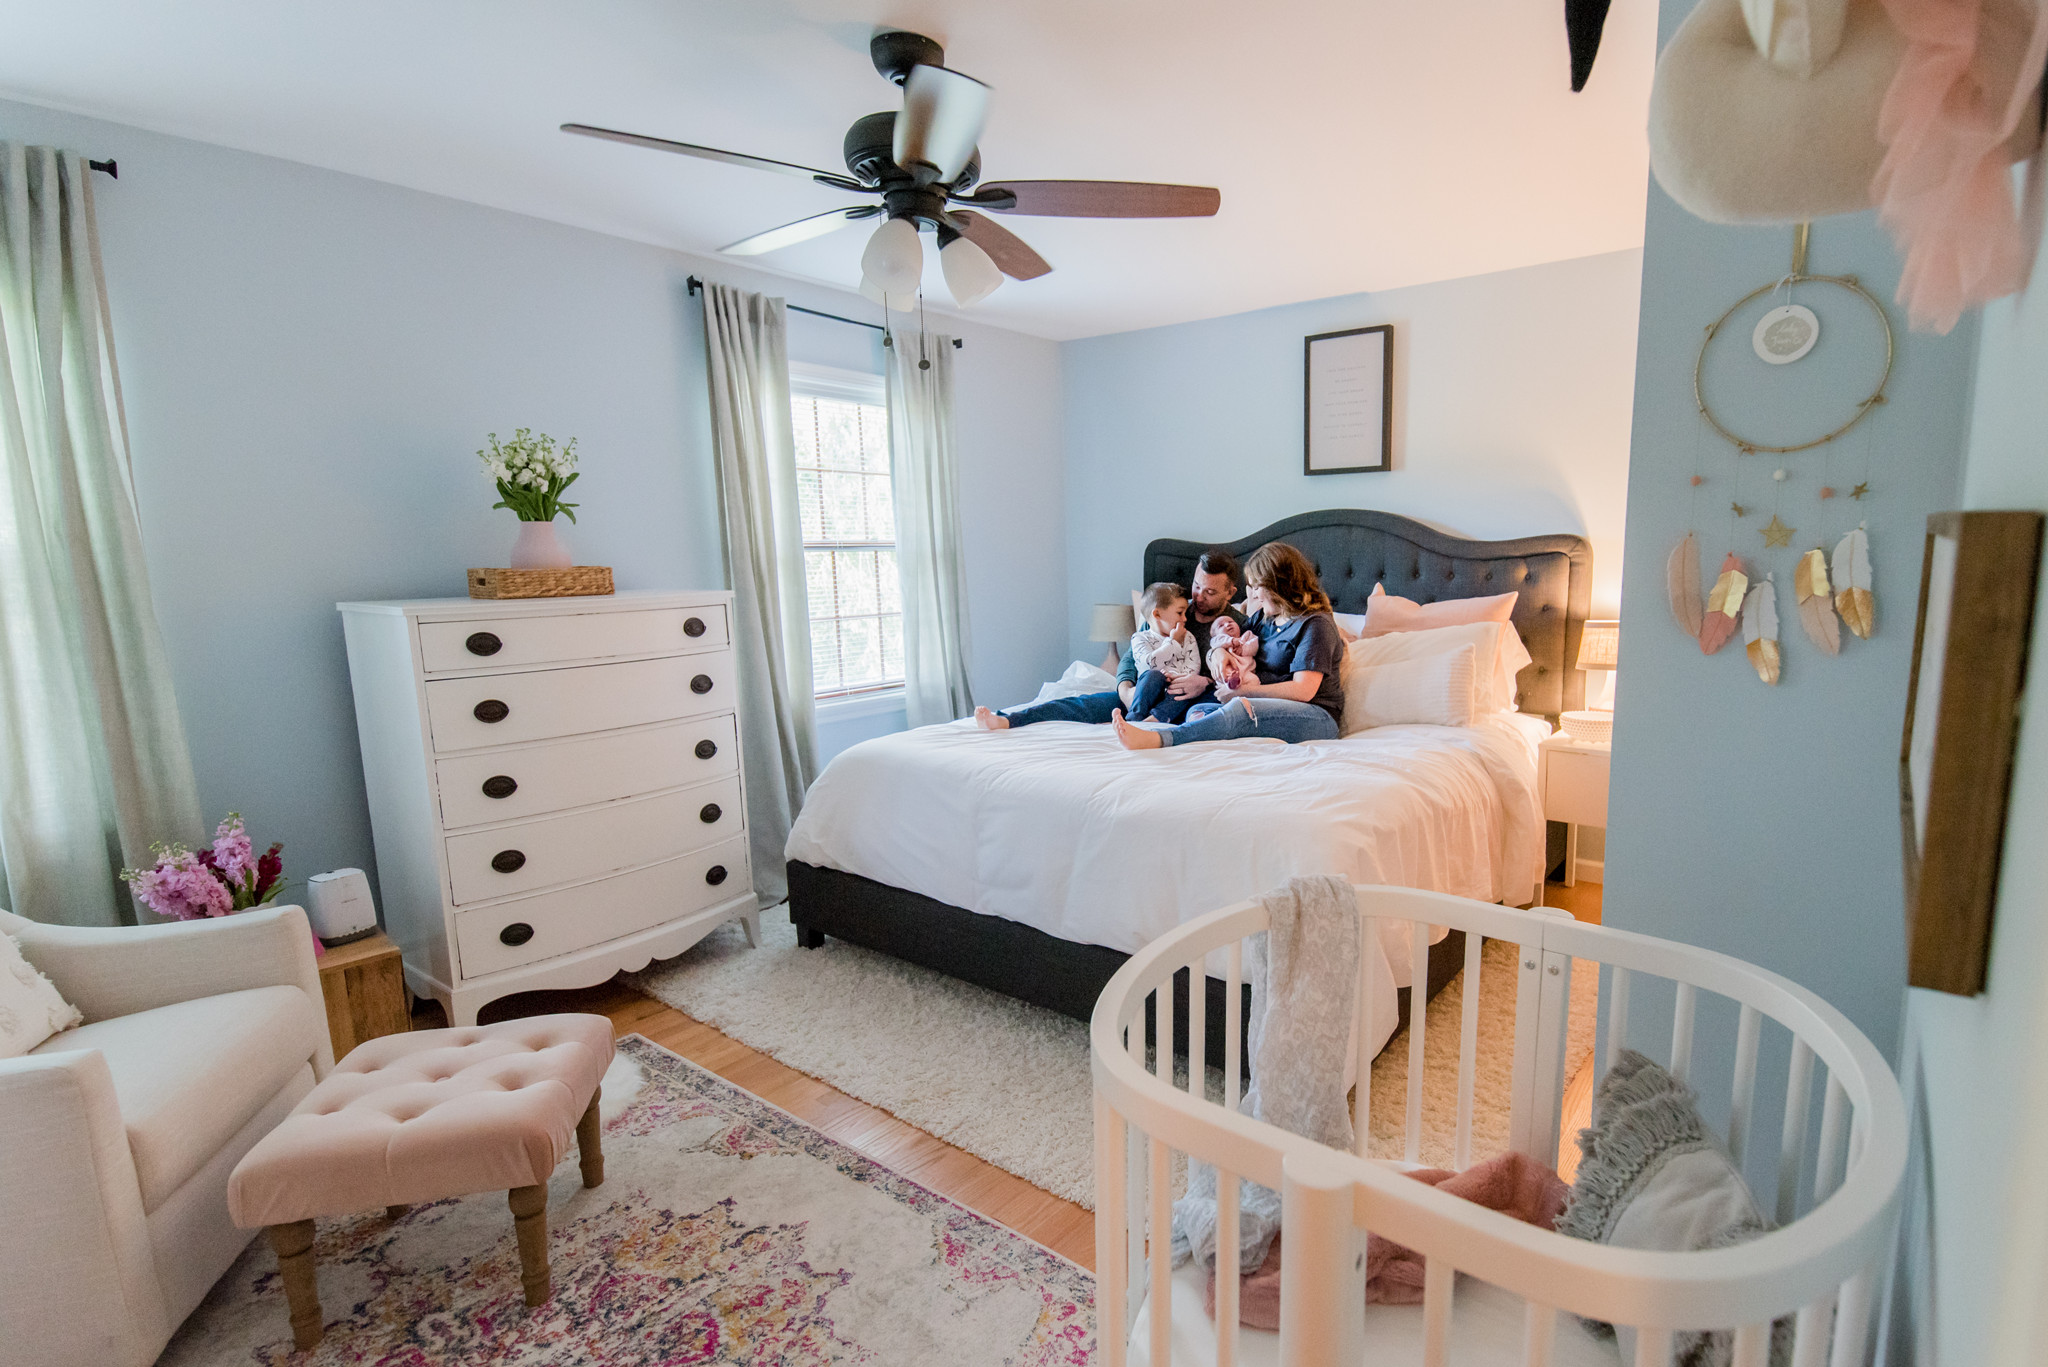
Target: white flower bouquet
{"points": [[532, 472]]}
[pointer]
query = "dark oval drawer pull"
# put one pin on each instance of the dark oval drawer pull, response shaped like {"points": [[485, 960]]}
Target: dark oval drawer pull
{"points": [[508, 861], [715, 875], [701, 684], [490, 710], [694, 627], [710, 812], [706, 749], [518, 933], [483, 643], [500, 785]]}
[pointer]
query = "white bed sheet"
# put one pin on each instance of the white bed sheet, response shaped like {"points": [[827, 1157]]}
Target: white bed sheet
{"points": [[1058, 827]]}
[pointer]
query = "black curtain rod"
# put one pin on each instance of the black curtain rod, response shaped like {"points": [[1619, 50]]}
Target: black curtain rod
{"points": [[696, 284], [110, 166]]}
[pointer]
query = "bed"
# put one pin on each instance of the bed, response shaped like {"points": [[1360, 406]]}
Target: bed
{"points": [[1035, 862]]}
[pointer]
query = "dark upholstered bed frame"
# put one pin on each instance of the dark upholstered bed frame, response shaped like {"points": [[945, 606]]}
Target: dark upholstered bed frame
{"points": [[1352, 550]]}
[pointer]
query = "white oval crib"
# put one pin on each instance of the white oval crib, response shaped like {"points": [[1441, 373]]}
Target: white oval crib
{"points": [[1836, 1197]]}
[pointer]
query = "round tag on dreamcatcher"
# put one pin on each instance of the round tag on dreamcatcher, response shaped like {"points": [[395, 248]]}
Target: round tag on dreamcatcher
{"points": [[1785, 333]]}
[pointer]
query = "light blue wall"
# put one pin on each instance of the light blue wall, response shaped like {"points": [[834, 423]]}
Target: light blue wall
{"points": [[309, 361], [1763, 822], [1511, 417]]}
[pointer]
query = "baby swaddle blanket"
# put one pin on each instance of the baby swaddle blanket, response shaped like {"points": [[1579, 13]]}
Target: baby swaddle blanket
{"points": [[1304, 978]]}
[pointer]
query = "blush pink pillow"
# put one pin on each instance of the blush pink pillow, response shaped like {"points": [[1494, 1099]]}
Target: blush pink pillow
{"points": [[1386, 612]]}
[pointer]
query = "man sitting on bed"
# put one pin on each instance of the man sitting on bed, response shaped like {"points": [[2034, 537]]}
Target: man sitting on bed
{"points": [[1217, 579]]}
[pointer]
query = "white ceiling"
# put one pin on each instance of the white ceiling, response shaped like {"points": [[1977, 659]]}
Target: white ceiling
{"points": [[1359, 144]]}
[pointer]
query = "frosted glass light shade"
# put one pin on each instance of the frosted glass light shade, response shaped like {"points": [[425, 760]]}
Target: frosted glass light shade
{"points": [[894, 258], [897, 303], [970, 275]]}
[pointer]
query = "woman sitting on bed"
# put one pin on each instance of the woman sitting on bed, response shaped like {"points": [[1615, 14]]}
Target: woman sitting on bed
{"points": [[1298, 695]]}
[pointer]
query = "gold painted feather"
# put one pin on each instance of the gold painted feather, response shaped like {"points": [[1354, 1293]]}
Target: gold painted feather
{"points": [[1853, 598], [1724, 606], [1683, 574], [1760, 629], [1816, 601]]}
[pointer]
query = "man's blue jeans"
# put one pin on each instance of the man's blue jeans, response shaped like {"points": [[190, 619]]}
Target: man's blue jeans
{"points": [[1093, 708]]}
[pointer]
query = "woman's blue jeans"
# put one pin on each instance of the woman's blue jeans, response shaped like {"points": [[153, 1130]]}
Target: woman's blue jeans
{"points": [[1290, 721]]}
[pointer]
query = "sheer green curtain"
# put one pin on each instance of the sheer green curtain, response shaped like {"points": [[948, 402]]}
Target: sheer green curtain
{"points": [[930, 561], [747, 350], [93, 764]]}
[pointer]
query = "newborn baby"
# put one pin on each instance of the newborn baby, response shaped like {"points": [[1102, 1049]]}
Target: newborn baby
{"points": [[1233, 654]]}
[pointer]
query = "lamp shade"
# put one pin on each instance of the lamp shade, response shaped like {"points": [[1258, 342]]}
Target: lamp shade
{"points": [[1111, 622], [1600, 646]]}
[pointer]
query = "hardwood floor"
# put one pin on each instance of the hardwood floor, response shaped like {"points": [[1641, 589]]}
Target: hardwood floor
{"points": [[982, 1187]]}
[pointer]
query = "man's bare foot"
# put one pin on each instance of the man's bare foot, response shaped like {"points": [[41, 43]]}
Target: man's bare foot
{"points": [[990, 721], [1134, 737]]}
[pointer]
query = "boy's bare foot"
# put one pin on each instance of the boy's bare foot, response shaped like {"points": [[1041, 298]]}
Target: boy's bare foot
{"points": [[1134, 737], [990, 721]]}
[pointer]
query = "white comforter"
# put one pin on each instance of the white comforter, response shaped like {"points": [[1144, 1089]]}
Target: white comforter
{"points": [[1057, 826]]}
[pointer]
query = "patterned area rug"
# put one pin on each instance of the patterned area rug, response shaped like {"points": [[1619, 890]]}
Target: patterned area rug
{"points": [[726, 1232]]}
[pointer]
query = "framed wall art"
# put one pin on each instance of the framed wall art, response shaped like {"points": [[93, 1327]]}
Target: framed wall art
{"points": [[1347, 382], [1977, 581]]}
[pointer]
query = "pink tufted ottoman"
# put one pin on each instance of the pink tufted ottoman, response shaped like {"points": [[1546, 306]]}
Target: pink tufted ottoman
{"points": [[423, 1116]]}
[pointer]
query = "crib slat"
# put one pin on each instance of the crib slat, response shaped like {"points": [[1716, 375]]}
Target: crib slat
{"points": [[1681, 1031], [1792, 1149], [1198, 1028], [1161, 1252], [1110, 1234], [1752, 1345], [1539, 1335], [1233, 1025], [1227, 1269], [1438, 1276], [1361, 1094], [1852, 1323], [1743, 1107], [1135, 1184], [1653, 1348], [1468, 1049], [1810, 1333], [1418, 1019], [1827, 1170], [1617, 1018], [1162, 1035], [1323, 1289]]}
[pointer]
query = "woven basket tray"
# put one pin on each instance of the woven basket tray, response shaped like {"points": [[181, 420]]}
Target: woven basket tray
{"points": [[575, 582]]}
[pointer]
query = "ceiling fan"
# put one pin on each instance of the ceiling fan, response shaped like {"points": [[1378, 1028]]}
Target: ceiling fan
{"points": [[923, 163]]}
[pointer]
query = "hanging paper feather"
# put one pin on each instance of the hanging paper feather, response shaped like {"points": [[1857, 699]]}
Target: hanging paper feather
{"points": [[1683, 575], [1760, 629], [1724, 606], [1852, 583], [1816, 603]]}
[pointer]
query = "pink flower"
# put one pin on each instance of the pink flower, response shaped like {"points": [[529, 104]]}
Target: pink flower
{"points": [[180, 886], [232, 852]]}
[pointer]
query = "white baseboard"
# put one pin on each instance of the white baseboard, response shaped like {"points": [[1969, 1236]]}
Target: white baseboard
{"points": [[1592, 871]]}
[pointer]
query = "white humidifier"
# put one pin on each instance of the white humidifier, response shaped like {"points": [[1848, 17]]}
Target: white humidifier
{"points": [[339, 906]]}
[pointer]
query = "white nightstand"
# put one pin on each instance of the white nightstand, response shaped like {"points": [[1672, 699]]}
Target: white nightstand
{"points": [[1571, 777]]}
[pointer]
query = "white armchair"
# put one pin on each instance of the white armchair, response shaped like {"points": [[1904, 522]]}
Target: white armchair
{"points": [[117, 1137]]}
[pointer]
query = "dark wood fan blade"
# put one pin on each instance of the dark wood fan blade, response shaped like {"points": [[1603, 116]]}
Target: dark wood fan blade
{"points": [[803, 230], [1099, 199], [691, 149], [1012, 257]]}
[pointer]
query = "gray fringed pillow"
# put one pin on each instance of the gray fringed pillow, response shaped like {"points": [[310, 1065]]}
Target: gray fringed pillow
{"points": [[1652, 1177]]}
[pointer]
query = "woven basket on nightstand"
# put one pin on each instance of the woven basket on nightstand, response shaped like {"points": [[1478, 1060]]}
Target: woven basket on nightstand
{"points": [[575, 582]]}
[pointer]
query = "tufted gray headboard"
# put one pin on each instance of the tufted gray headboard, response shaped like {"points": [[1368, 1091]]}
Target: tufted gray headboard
{"points": [[1355, 548]]}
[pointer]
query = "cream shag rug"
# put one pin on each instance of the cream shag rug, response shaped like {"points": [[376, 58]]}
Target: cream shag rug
{"points": [[1009, 1082]]}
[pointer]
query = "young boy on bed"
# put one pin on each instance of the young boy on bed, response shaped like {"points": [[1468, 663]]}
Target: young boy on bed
{"points": [[1164, 650]]}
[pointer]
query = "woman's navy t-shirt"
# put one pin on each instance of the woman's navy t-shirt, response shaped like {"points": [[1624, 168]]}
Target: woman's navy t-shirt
{"points": [[1308, 642]]}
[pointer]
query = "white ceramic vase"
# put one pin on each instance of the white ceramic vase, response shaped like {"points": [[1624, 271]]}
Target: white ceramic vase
{"points": [[538, 548]]}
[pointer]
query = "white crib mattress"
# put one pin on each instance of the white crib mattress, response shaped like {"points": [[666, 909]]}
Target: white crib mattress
{"points": [[1487, 1326]]}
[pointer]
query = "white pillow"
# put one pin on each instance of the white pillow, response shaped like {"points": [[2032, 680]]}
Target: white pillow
{"points": [[1492, 654], [1352, 624], [1433, 690], [31, 1007]]}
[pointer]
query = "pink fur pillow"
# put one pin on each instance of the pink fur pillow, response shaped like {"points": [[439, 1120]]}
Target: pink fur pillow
{"points": [[1386, 612]]}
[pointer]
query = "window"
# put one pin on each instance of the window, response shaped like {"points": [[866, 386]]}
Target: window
{"points": [[848, 512]]}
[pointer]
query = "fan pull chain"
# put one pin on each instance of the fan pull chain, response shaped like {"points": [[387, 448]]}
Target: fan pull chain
{"points": [[924, 361]]}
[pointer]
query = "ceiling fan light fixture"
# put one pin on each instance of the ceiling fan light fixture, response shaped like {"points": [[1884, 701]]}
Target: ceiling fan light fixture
{"points": [[970, 274], [895, 303], [894, 258]]}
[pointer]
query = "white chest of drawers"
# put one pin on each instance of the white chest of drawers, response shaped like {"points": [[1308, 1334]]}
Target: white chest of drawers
{"points": [[554, 785]]}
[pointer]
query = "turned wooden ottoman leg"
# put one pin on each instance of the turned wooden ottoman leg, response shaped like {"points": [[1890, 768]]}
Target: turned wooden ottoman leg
{"points": [[590, 1143], [294, 1246], [530, 1223]]}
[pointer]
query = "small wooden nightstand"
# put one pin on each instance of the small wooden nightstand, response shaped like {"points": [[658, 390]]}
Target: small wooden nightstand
{"points": [[1571, 777], [364, 983]]}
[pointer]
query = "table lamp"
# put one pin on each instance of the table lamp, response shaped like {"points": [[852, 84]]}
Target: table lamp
{"points": [[1114, 623], [1599, 653]]}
